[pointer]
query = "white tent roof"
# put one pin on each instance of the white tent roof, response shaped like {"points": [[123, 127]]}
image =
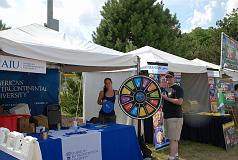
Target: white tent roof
{"points": [[229, 72], [38, 42], [207, 64], [175, 63]]}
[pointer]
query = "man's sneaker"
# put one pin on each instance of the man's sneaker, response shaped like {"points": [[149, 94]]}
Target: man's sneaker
{"points": [[175, 158]]}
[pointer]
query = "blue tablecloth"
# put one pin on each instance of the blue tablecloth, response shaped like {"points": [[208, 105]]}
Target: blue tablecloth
{"points": [[119, 142], [5, 156], [50, 148]]}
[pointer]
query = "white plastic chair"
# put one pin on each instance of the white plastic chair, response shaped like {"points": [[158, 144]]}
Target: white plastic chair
{"points": [[3, 135], [14, 140]]}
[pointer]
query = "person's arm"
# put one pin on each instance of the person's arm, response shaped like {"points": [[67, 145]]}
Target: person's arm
{"points": [[116, 92], [178, 94], [100, 98], [177, 101]]}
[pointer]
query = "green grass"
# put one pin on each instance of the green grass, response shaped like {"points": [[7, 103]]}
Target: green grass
{"points": [[196, 151]]}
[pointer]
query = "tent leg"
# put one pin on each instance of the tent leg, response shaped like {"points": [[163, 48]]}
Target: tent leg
{"points": [[139, 127], [144, 149]]}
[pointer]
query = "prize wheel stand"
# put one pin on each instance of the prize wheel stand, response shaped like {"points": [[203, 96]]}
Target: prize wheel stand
{"points": [[140, 98]]}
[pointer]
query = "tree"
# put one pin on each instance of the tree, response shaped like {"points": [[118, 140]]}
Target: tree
{"points": [[205, 44], [71, 97], [3, 26], [229, 24], [130, 24], [200, 43]]}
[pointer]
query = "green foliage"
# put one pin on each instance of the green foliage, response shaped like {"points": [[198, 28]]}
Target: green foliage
{"points": [[229, 24], [130, 47], [205, 44], [200, 43], [131, 24], [3, 26], [72, 97]]}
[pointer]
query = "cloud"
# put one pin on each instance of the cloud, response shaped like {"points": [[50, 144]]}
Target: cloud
{"points": [[72, 31], [201, 18], [58, 3], [231, 4], [4, 4], [197, 3], [83, 16], [78, 18], [186, 30], [23, 12], [223, 4]]}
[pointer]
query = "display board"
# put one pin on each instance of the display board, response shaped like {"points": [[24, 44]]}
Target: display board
{"points": [[221, 93], [213, 94], [160, 140], [226, 87], [140, 97], [36, 90], [229, 52], [229, 134]]}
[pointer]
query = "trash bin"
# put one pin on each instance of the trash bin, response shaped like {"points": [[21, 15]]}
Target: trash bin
{"points": [[54, 115]]}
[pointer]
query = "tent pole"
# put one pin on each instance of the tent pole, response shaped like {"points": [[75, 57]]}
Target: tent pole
{"points": [[146, 152], [138, 65], [138, 72]]}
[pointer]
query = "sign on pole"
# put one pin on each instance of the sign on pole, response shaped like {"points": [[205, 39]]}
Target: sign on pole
{"points": [[229, 52]]}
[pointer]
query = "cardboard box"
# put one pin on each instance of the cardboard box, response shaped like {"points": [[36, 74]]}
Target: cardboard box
{"points": [[31, 128], [22, 123], [28, 129], [40, 120]]}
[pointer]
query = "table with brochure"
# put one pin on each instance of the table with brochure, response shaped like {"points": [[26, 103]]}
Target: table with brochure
{"points": [[94, 141]]}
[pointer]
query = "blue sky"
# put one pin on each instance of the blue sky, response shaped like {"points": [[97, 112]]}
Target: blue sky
{"points": [[79, 18], [199, 13]]}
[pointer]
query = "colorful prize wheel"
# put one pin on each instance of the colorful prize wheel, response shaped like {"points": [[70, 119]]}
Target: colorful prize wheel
{"points": [[140, 97]]}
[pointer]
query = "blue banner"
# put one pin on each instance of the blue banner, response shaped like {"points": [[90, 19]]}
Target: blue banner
{"points": [[37, 90]]}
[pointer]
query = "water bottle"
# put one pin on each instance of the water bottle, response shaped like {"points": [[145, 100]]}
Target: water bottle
{"points": [[75, 126]]}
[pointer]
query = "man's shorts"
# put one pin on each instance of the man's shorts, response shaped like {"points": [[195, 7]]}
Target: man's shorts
{"points": [[173, 127]]}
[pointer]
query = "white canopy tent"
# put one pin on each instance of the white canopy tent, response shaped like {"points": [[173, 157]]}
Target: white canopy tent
{"points": [[175, 63], [229, 72], [38, 42], [207, 64], [147, 54], [193, 77]]}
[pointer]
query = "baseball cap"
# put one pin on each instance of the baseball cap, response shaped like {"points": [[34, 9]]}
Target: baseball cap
{"points": [[169, 74]]}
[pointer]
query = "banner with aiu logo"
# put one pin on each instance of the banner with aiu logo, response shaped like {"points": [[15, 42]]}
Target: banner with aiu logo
{"points": [[9, 63], [37, 90]]}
